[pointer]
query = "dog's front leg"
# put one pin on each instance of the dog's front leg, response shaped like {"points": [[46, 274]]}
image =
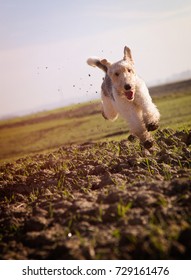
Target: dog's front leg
{"points": [[144, 101], [108, 110], [151, 116]]}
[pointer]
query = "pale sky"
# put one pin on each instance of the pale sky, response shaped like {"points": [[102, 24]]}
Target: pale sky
{"points": [[44, 46]]}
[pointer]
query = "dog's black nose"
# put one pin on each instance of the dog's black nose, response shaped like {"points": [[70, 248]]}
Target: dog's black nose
{"points": [[127, 87]]}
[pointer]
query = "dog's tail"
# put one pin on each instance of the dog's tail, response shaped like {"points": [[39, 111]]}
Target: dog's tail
{"points": [[97, 62]]}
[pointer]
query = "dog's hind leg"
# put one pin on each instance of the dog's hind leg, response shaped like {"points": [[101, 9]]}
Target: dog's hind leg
{"points": [[145, 137], [138, 128], [108, 110]]}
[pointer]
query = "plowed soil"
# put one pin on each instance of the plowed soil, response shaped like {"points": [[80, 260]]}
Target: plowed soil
{"points": [[109, 200]]}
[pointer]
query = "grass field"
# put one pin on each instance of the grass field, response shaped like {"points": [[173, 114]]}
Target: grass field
{"points": [[82, 123]]}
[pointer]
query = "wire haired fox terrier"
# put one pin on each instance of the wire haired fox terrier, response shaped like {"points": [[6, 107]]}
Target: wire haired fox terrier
{"points": [[125, 93]]}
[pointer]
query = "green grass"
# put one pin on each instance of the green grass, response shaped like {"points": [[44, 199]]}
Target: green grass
{"points": [[175, 111], [79, 124]]}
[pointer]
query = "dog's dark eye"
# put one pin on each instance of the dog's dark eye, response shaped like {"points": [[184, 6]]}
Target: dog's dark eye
{"points": [[116, 74], [129, 70]]}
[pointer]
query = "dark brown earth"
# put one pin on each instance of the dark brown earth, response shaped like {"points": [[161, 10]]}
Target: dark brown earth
{"points": [[110, 200]]}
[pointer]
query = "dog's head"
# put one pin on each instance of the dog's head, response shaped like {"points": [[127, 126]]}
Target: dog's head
{"points": [[122, 74]]}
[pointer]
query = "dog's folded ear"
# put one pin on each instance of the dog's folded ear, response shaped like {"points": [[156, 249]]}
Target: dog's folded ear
{"points": [[105, 62], [127, 54]]}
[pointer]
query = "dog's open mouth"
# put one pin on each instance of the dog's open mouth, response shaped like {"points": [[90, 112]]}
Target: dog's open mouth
{"points": [[129, 94]]}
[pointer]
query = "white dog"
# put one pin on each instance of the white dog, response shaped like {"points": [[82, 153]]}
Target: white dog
{"points": [[124, 92]]}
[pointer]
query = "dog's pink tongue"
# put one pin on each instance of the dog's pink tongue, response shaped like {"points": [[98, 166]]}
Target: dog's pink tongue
{"points": [[129, 94]]}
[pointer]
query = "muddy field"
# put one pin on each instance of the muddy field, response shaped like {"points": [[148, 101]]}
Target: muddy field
{"points": [[109, 200]]}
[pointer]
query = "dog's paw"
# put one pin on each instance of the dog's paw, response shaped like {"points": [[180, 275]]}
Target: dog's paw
{"points": [[152, 126], [132, 138], [103, 115], [148, 144]]}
